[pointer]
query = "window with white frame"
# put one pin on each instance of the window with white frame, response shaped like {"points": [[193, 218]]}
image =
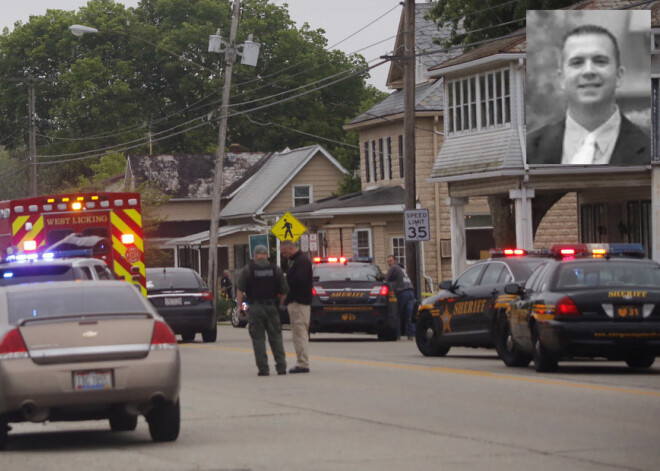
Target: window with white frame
{"points": [[363, 242], [302, 194], [479, 102], [399, 250]]}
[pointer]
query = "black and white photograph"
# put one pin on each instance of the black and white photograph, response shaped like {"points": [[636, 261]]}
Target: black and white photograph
{"points": [[588, 87]]}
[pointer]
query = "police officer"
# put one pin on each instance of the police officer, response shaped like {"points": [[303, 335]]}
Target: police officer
{"points": [[264, 287], [405, 296]]}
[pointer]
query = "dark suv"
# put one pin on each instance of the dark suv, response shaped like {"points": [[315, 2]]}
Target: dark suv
{"points": [[183, 299], [352, 297]]}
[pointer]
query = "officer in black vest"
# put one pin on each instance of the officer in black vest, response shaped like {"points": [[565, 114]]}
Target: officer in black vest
{"points": [[264, 287]]}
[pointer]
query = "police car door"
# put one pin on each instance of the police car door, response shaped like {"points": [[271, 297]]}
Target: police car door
{"points": [[458, 306], [523, 307], [482, 301]]}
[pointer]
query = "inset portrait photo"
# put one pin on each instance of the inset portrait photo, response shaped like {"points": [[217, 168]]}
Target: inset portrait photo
{"points": [[588, 87]]}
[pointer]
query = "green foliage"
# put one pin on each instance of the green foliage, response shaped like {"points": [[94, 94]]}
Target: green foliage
{"points": [[486, 19], [351, 183], [106, 92]]}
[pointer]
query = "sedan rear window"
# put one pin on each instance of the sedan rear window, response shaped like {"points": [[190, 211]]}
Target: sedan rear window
{"points": [[34, 274], [346, 272], [608, 274], [44, 303], [173, 279]]}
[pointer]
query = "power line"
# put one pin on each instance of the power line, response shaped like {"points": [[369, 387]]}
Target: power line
{"points": [[238, 113], [303, 132]]}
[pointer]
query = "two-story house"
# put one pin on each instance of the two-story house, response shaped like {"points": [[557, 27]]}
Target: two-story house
{"points": [[484, 154]]}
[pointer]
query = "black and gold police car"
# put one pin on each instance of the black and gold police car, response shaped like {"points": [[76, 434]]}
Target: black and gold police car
{"points": [[352, 296], [463, 312], [587, 301]]}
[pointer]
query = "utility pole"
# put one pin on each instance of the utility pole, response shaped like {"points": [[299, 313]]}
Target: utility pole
{"points": [[32, 137], [409, 179], [230, 57]]}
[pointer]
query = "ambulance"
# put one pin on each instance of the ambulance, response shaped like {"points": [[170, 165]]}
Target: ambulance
{"points": [[103, 225]]}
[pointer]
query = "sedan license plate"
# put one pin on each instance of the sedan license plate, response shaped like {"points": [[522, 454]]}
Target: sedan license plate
{"points": [[628, 312], [173, 302], [86, 380]]}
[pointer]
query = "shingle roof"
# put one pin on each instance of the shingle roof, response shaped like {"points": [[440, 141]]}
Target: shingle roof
{"points": [[428, 97], [191, 176], [382, 196], [268, 181]]}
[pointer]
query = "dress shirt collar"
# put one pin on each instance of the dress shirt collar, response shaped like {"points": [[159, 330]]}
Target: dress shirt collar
{"points": [[606, 136]]}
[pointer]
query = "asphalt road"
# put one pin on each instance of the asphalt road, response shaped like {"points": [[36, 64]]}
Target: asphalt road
{"points": [[370, 405]]}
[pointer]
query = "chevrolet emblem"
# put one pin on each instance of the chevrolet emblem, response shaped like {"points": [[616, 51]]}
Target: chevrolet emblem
{"points": [[90, 334]]}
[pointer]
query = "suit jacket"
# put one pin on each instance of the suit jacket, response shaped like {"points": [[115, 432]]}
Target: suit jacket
{"points": [[545, 145]]}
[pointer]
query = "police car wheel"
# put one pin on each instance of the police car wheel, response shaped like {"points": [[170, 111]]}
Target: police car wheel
{"points": [[210, 335], [4, 432], [506, 348], [426, 337], [235, 320], [388, 335], [188, 336], [544, 362], [642, 360]]}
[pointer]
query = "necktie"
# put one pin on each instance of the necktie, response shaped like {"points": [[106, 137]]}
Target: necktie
{"points": [[585, 154]]}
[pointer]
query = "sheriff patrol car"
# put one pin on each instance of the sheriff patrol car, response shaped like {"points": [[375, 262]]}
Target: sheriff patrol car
{"points": [[587, 301], [352, 296], [463, 312]]}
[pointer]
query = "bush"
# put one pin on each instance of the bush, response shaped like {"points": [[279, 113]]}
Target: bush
{"points": [[223, 307]]}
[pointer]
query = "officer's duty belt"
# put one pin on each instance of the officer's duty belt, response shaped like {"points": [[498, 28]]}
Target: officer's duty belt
{"points": [[268, 302]]}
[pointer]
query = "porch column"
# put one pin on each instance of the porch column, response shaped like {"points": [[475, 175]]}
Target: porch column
{"points": [[655, 211], [457, 223], [523, 205]]}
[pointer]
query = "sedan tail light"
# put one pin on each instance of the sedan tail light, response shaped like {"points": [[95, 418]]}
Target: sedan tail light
{"points": [[163, 337], [207, 295], [13, 346], [566, 308]]}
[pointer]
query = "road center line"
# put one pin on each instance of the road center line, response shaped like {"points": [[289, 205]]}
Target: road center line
{"points": [[456, 371]]}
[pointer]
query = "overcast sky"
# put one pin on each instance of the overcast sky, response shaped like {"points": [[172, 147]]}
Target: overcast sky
{"points": [[339, 19]]}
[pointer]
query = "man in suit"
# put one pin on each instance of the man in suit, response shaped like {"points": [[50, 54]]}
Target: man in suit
{"points": [[594, 131]]}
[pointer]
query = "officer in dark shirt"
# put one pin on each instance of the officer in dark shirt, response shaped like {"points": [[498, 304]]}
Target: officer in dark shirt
{"points": [[299, 301], [264, 287], [225, 285]]}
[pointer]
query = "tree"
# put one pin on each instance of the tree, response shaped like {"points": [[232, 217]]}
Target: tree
{"points": [[148, 73], [472, 21]]}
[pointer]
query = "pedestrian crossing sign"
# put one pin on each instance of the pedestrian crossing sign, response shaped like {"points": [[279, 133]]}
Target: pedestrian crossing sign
{"points": [[288, 228]]}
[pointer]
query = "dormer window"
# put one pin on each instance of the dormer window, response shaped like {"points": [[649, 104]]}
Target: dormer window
{"points": [[478, 103]]}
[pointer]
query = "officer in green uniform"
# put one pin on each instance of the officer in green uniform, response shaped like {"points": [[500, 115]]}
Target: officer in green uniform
{"points": [[264, 287]]}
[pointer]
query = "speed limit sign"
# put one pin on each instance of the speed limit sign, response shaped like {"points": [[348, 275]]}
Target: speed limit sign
{"points": [[416, 225]]}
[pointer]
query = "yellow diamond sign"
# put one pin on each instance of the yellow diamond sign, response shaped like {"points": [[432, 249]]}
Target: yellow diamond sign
{"points": [[288, 228]]}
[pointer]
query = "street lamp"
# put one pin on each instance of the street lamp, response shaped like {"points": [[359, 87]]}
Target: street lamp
{"points": [[80, 30]]}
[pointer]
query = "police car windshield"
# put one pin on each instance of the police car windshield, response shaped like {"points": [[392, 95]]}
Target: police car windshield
{"points": [[608, 273], [35, 273], [348, 272], [69, 302]]}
